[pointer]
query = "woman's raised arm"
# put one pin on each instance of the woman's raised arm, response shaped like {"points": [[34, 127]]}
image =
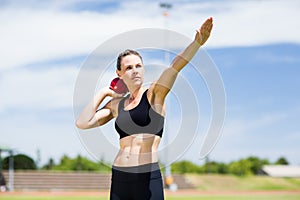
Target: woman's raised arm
{"points": [[161, 88]]}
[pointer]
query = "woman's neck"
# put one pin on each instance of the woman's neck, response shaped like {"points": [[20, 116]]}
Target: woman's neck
{"points": [[136, 93]]}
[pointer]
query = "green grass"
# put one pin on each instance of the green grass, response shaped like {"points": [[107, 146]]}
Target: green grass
{"points": [[208, 197], [52, 198], [213, 182], [236, 197], [214, 187]]}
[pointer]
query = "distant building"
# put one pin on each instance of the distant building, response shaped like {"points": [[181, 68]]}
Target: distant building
{"points": [[281, 170]]}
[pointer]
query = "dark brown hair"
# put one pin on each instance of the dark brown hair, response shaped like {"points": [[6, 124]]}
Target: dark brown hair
{"points": [[126, 53]]}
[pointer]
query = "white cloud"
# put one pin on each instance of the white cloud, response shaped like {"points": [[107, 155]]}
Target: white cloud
{"points": [[255, 23], [37, 89], [30, 35]]}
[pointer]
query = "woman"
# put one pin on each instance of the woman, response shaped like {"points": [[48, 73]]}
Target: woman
{"points": [[139, 121]]}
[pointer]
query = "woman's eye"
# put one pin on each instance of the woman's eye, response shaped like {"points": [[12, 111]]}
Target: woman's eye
{"points": [[128, 68]]}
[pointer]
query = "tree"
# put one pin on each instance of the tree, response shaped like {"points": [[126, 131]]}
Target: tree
{"points": [[49, 165], [78, 163], [21, 161], [214, 167], [240, 168], [249, 166], [182, 167], [256, 164], [281, 161]]}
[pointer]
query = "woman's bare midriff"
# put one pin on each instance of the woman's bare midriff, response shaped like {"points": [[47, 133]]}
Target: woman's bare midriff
{"points": [[137, 149]]}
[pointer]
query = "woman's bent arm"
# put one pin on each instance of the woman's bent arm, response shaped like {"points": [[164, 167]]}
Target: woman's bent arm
{"points": [[90, 117]]}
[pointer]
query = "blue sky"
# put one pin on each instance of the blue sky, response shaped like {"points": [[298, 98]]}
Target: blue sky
{"points": [[254, 44]]}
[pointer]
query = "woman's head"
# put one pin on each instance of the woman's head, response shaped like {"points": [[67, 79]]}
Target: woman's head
{"points": [[130, 68], [126, 53]]}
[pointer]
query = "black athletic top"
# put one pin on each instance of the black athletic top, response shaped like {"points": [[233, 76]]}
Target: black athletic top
{"points": [[140, 119]]}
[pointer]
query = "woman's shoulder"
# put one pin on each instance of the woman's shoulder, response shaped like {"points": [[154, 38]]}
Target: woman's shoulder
{"points": [[153, 95], [113, 105], [157, 104]]}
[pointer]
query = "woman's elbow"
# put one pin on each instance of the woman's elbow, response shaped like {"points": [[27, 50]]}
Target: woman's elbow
{"points": [[79, 124]]}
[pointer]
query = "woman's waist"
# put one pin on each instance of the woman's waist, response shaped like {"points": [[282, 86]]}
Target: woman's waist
{"points": [[125, 159], [136, 173]]}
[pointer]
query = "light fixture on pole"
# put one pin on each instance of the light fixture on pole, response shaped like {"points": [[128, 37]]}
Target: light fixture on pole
{"points": [[169, 181]]}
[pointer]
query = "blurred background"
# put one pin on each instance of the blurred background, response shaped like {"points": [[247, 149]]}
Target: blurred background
{"points": [[255, 45]]}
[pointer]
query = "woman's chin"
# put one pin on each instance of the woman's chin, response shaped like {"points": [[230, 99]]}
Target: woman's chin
{"points": [[137, 84]]}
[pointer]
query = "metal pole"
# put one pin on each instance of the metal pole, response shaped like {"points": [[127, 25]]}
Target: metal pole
{"points": [[168, 174], [11, 171], [0, 161], [166, 6]]}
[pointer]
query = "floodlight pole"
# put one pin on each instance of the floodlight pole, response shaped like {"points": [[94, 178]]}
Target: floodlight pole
{"points": [[11, 171], [0, 161], [168, 175]]}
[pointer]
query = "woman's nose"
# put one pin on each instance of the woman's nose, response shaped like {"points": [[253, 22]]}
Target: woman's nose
{"points": [[134, 70]]}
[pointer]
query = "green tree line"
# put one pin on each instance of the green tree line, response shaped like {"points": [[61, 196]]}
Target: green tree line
{"points": [[247, 166], [79, 163]]}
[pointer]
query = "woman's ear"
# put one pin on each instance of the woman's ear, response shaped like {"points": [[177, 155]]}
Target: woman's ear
{"points": [[118, 72]]}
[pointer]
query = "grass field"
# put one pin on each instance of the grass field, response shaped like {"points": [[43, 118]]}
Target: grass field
{"points": [[209, 187], [201, 197], [213, 182]]}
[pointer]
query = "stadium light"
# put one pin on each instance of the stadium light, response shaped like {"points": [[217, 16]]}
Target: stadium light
{"points": [[169, 181]]}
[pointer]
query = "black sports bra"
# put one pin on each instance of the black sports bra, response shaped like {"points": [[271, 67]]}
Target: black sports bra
{"points": [[140, 119]]}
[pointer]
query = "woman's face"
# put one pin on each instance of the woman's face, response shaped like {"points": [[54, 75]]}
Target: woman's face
{"points": [[132, 71]]}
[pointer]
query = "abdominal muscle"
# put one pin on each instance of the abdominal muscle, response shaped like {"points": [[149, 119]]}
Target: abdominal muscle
{"points": [[137, 149]]}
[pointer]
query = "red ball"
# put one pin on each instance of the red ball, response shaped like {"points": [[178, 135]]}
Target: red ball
{"points": [[118, 86]]}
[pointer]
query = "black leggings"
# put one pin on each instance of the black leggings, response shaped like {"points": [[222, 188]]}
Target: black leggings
{"points": [[137, 183]]}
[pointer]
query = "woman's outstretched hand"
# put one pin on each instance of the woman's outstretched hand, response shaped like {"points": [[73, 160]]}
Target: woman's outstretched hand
{"points": [[204, 32]]}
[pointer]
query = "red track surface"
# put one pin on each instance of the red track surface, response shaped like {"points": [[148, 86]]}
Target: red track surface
{"points": [[168, 193]]}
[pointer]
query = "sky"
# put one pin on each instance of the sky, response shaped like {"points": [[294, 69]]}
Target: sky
{"points": [[254, 44]]}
